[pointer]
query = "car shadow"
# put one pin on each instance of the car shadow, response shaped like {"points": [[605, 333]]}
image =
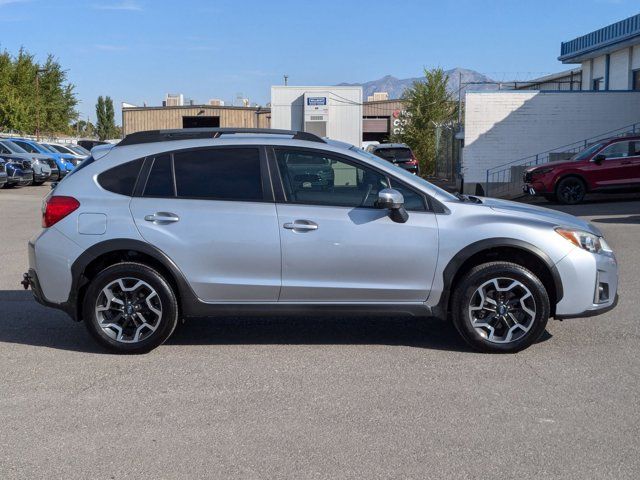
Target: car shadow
{"points": [[23, 321], [630, 220]]}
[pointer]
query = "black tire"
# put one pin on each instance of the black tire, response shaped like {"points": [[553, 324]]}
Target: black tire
{"points": [[165, 323], [465, 293], [571, 190]]}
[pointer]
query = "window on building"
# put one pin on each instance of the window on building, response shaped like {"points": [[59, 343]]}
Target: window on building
{"points": [[635, 84], [597, 84], [219, 174]]}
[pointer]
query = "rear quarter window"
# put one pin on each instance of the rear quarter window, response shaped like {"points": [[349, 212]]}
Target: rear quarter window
{"points": [[121, 179]]}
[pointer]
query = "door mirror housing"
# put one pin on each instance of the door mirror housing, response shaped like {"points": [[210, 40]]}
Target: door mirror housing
{"points": [[393, 201], [598, 159]]}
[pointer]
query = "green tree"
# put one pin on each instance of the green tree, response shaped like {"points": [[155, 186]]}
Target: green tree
{"points": [[428, 105], [105, 123], [30, 92]]}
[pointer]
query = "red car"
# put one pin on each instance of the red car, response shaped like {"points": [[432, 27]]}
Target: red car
{"points": [[611, 165]]}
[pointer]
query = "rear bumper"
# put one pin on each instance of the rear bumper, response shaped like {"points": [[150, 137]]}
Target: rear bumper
{"points": [[30, 280]]}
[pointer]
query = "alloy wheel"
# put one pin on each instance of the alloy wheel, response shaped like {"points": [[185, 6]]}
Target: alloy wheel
{"points": [[128, 310], [502, 310], [572, 192]]}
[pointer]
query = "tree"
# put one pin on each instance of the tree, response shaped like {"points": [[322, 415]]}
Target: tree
{"points": [[429, 105], [30, 92], [105, 123]]}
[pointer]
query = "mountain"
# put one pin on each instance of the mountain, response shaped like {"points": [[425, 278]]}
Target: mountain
{"points": [[395, 86]]}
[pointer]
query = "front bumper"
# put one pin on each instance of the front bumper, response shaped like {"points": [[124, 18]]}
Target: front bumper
{"points": [[590, 283], [3, 179]]}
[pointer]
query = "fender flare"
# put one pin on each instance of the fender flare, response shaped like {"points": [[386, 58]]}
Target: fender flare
{"points": [[469, 251]]}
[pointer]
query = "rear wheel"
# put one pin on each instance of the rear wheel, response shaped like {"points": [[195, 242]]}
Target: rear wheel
{"points": [[571, 190], [500, 307], [130, 308]]}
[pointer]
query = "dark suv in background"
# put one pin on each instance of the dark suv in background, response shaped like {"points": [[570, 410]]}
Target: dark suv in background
{"points": [[397, 153], [611, 165]]}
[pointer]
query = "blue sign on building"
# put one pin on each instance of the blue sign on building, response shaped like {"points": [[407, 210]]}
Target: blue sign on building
{"points": [[316, 100]]}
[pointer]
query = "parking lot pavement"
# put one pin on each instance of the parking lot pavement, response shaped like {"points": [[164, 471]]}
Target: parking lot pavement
{"points": [[318, 398]]}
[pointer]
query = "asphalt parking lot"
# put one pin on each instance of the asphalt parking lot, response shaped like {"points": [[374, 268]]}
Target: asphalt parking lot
{"points": [[318, 398]]}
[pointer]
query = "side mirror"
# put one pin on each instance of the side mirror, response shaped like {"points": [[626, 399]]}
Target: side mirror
{"points": [[393, 201], [598, 159]]}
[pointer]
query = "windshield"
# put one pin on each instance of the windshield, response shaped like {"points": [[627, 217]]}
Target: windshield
{"points": [[48, 147], [15, 148], [59, 148], [79, 149], [401, 172], [584, 154]]}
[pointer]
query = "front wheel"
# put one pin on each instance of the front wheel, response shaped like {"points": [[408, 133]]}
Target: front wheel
{"points": [[500, 307], [130, 308], [571, 190]]}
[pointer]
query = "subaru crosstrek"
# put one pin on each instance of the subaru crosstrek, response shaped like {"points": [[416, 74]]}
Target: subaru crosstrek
{"points": [[194, 223]]}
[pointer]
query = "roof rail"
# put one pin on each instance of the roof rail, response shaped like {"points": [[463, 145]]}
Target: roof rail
{"points": [[151, 136]]}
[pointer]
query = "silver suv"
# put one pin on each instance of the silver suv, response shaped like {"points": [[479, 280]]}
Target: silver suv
{"points": [[194, 223]]}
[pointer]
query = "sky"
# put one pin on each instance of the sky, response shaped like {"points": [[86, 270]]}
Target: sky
{"points": [[136, 51]]}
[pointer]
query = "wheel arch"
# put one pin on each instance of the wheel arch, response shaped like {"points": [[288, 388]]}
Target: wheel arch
{"points": [[107, 253], [570, 174], [507, 249]]}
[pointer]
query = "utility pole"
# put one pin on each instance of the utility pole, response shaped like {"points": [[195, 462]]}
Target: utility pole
{"points": [[459, 98], [286, 80]]}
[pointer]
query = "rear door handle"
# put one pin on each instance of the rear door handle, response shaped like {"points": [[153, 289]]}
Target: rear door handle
{"points": [[162, 218], [301, 226]]}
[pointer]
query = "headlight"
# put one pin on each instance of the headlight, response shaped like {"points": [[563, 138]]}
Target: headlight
{"points": [[542, 171], [585, 240]]}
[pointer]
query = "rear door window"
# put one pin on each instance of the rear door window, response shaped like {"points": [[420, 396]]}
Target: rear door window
{"points": [[219, 174], [160, 181]]}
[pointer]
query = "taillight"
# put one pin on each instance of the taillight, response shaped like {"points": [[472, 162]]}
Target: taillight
{"points": [[413, 161], [56, 208]]}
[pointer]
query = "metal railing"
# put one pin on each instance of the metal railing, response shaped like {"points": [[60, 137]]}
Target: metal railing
{"points": [[506, 179], [615, 32]]}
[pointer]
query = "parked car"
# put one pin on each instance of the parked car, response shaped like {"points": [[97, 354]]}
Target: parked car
{"points": [[3, 173], [176, 223], [72, 157], [39, 163], [19, 172], [609, 166], [63, 161], [67, 149], [88, 144], [397, 153]]}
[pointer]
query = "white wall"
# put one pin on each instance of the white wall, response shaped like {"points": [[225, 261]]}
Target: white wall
{"points": [[635, 58], [501, 127], [345, 110]]}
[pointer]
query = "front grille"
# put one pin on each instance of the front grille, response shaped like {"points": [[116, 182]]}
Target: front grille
{"points": [[26, 164], [52, 163], [2, 168], [527, 177]]}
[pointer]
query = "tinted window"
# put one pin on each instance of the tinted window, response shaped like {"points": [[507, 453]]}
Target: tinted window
{"points": [[15, 148], [328, 181], [394, 153], [29, 148], [635, 149], [160, 181], [120, 179], [4, 150], [616, 150], [219, 174]]}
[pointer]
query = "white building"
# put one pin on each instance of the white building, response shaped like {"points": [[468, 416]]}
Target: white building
{"points": [[173, 100], [610, 56], [506, 131], [334, 112]]}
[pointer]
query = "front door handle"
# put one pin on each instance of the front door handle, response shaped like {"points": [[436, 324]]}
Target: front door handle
{"points": [[301, 226], [162, 218]]}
